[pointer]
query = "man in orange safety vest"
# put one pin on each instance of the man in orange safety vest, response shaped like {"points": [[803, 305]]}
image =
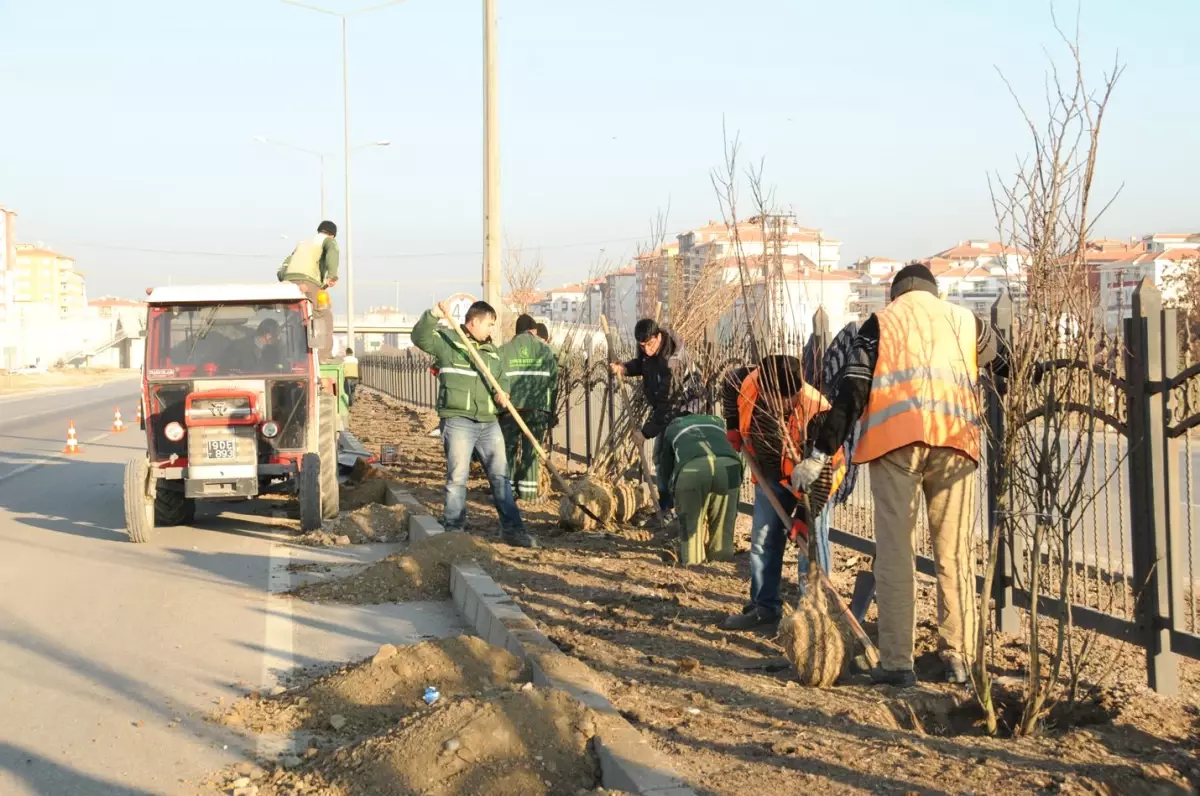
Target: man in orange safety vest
{"points": [[914, 368]]}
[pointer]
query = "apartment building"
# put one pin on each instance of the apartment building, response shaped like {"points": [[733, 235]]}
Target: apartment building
{"points": [[787, 304], [45, 277], [1119, 278]]}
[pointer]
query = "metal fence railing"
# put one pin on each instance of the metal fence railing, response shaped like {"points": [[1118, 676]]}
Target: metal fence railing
{"points": [[1134, 543]]}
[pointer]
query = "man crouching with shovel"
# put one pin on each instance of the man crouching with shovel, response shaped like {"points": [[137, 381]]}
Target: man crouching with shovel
{"points": [[768, 413]]}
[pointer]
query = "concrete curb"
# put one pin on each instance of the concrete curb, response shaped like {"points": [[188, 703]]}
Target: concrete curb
{"points": [[627, 761]]}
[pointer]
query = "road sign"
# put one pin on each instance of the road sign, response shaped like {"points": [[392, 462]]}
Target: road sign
{"points": [[458, 304]]}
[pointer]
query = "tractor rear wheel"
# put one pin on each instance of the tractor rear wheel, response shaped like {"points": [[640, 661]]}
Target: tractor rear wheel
{"points": [[172, 509], [327, 448]]}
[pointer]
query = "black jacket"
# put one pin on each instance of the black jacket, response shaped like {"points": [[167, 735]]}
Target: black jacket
{"points": [[670, 382]]}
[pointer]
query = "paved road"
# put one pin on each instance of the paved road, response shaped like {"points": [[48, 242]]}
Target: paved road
{"points": [[111, 653]]}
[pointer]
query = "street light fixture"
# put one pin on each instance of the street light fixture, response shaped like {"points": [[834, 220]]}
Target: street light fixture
{"points": [[262, 139], [346, 144]]}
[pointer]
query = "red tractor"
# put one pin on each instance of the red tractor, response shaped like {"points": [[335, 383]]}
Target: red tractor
{"points": [[235, 405]]}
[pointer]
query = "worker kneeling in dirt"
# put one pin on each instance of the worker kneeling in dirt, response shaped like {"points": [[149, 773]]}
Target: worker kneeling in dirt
{"points": [[532, 371], [761, 405], [705, 475]]}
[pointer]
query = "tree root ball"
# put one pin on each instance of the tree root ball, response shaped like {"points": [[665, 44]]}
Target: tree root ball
{"points": [[594, 494], [813, 641]]}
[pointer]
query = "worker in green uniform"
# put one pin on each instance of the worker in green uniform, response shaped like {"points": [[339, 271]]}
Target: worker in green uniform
{"points": [[705, 475], [532, 371]]}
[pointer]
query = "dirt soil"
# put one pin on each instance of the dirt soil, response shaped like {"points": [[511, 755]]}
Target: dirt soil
{"points": [[11, 383], [726, 708], [375, 693], [372, 522], [422, 572], [372, 733]]}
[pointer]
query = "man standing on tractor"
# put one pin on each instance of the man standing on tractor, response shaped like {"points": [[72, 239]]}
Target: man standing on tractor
{"points": [[313, 266], [532, 371], [913, 368], [468, 411]]}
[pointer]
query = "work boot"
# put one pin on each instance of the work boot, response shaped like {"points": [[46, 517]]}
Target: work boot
{"points": [[956, 668], [903, 678], [519, 538], [750, 618]]}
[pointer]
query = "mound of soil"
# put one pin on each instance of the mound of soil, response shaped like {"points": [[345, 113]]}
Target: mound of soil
{"points": [[422, 572], [521, 742], [374, 694], [370, 523]]}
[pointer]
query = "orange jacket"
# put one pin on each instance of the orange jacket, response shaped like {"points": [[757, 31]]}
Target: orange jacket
{"points": [[810, 404], [924, 385]]}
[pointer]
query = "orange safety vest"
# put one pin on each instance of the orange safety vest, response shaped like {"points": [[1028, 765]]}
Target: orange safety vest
{"points": [[924, 387], [811, 404]]}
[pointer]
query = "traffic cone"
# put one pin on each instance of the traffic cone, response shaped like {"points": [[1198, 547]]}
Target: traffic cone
{"points": [[138, 419], [118, 426], [72, 442]]}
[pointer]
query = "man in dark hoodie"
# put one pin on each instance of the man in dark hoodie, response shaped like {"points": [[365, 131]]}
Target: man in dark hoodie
{"points": [[914, 369], [672, 386]]}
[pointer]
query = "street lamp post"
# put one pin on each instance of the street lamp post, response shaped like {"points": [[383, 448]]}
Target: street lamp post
{"points": [[491, 166], [346, 145], [262, 139]]}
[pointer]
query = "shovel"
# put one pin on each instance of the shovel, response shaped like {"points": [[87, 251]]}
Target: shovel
{"points": [[855, 628], [516, 416]]}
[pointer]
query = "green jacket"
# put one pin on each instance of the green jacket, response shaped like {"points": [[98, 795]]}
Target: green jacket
{"points": [[462, 391], [314, 260], [692, 437], [532, 371]]}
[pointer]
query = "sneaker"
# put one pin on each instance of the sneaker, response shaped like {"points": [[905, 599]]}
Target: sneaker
{"points": [[956, 669], [904, 678], [519, 538], [749, 619]]}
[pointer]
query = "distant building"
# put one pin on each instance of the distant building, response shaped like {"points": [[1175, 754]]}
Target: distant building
{"points": [[787, 306], [8, 261], [566, 304], [1119, 278], [45, 277], [620, 298]]}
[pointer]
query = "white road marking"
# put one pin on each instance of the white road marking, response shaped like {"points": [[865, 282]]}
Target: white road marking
{"points": [[61, 457], [278, 643]]}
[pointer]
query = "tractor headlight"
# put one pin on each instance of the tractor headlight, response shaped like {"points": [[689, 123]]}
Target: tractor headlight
{"points": [[174, 432], [270, 429]]}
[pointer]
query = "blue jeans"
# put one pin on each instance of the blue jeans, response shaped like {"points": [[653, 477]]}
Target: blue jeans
{"points": [[768, 540], [460, 437]]}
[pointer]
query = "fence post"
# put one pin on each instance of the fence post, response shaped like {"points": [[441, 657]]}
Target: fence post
{"points": [[1178, 584], [1007, 618], [1147, 493], [587, 408]]}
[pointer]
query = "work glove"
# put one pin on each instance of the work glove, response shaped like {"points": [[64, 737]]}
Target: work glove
{"points": [[807, 471], [735, 439]]}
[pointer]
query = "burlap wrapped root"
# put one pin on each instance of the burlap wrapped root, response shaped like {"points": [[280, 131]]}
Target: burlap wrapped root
{"points": [[595, 495], [818, 646], [617, 502]]}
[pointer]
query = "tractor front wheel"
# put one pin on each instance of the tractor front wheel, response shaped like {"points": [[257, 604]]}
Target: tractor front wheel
{"points": [[308, 489]]}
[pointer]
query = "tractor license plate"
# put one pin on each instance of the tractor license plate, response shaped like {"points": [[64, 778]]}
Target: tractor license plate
{"points": [[221, 449]]}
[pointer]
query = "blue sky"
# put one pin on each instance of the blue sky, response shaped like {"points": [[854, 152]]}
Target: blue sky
{"points": [[129, 125]]}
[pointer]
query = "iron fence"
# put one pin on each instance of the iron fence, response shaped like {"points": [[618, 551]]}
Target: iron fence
{"points": [[1134, 544]]}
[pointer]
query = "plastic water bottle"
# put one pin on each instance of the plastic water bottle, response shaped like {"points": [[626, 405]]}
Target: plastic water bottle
{"points": [[431, 695]]}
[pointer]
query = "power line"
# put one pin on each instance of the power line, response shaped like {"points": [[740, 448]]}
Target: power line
{"points": [[397, 256]]}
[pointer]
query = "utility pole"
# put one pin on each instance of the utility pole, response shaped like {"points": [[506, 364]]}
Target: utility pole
{"points": [[348, 271], [491, 167]]}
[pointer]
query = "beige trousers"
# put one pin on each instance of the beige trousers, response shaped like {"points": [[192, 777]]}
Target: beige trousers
{"points": [[947, 478]]}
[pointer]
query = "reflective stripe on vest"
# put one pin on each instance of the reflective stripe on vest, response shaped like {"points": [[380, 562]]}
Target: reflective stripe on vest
{"points": [[924, 386], [811, 404]]}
